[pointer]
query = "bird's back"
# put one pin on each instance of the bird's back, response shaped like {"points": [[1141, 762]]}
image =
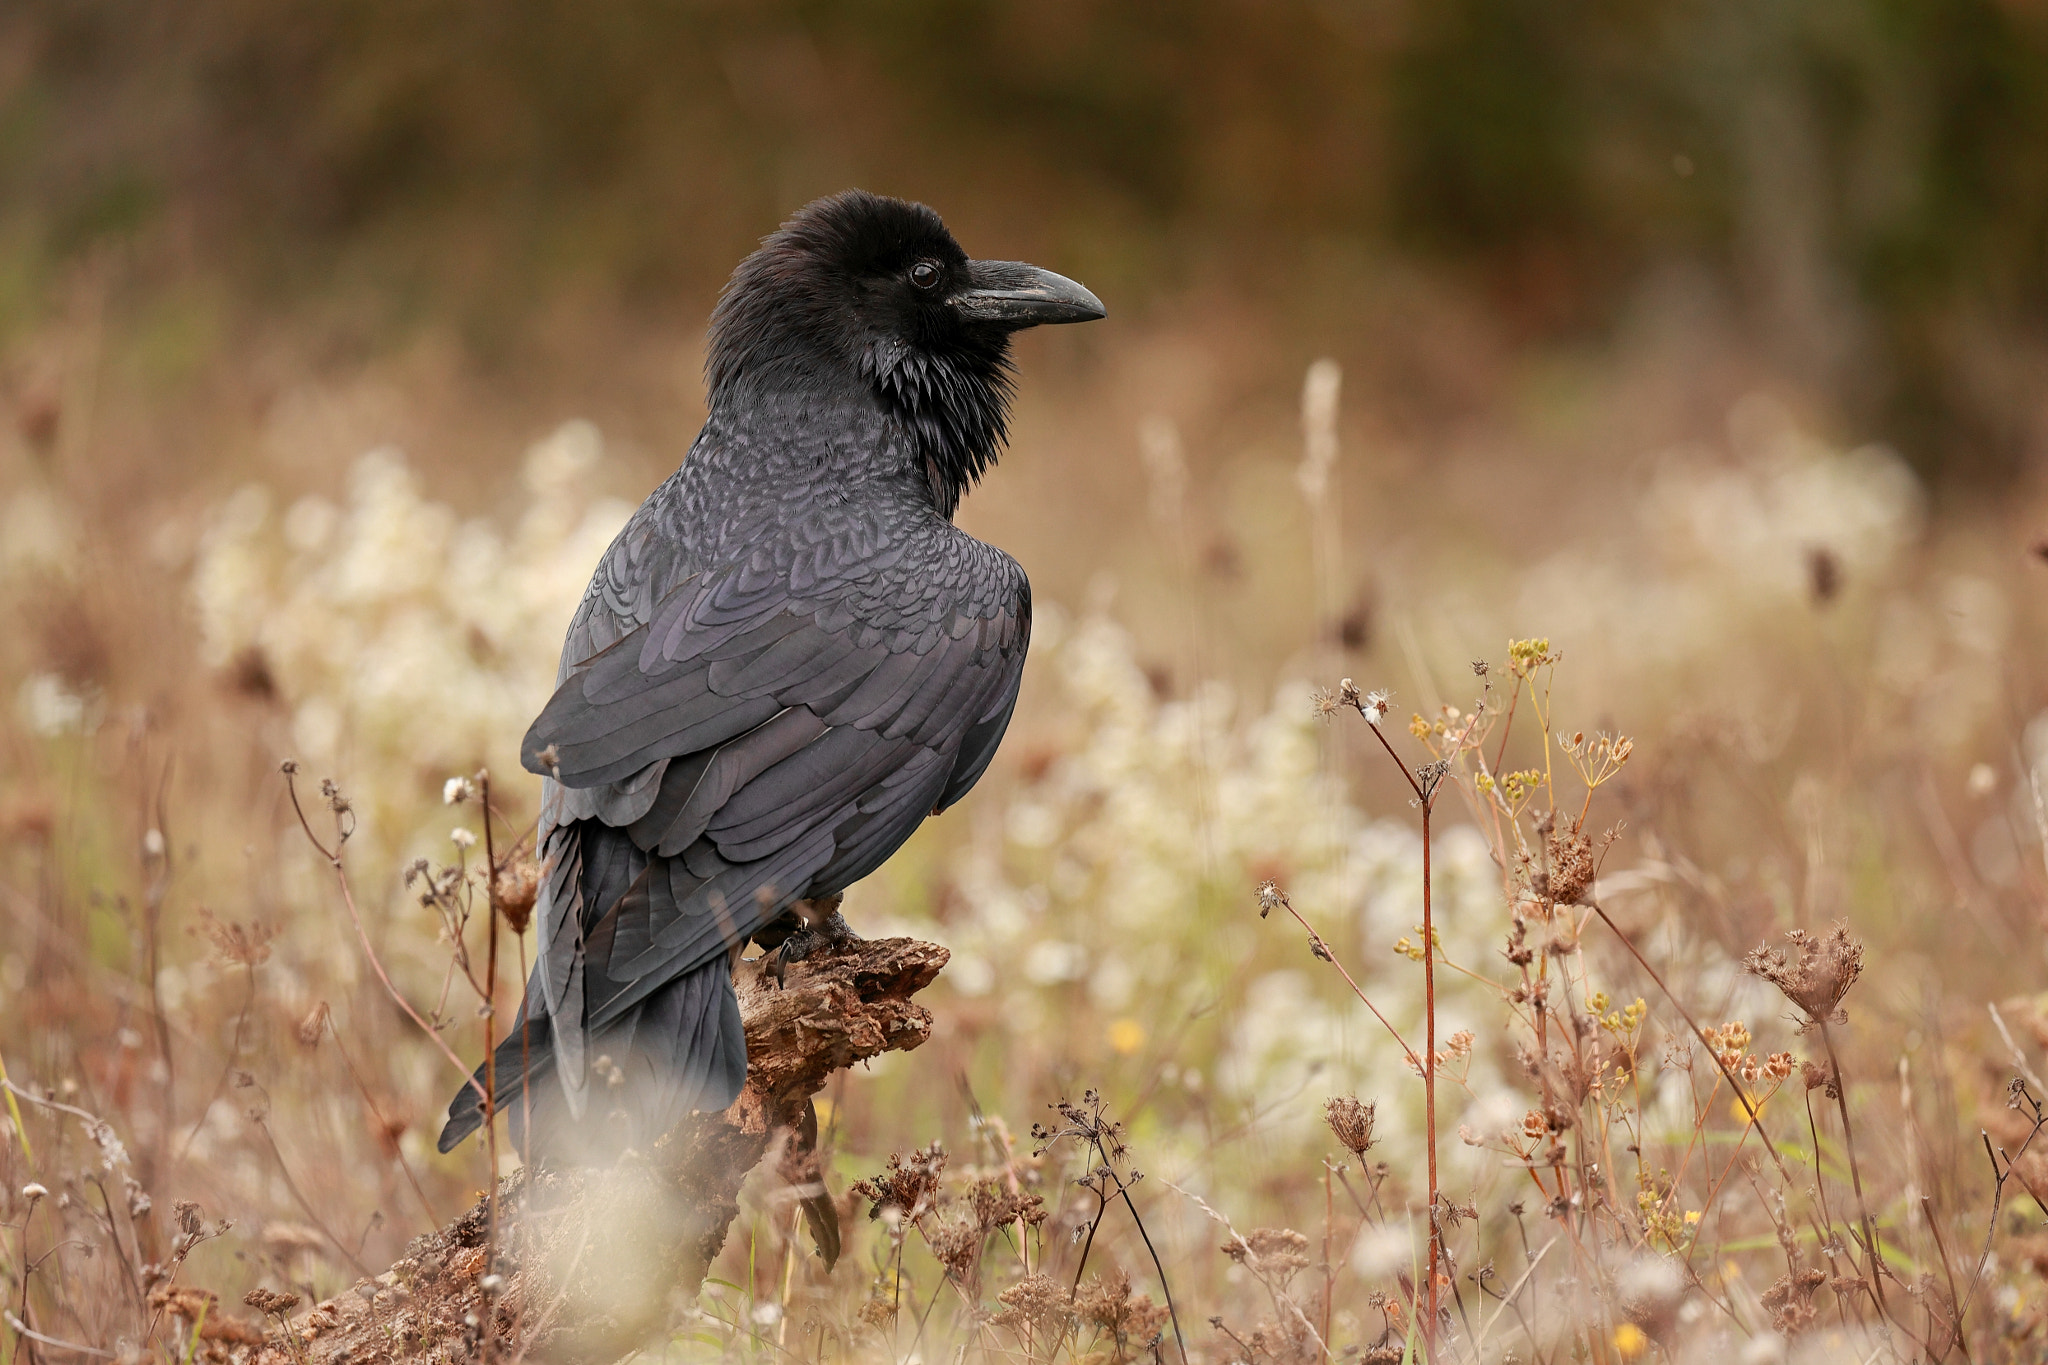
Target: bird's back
{"points": [[771, 681]]}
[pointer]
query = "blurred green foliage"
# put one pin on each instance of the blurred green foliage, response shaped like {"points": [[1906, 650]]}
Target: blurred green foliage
{"points": [[1865, 181]]}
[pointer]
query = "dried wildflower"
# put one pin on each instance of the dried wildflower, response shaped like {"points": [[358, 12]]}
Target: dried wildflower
{"points": [[1790, 1301], [1820, 1076], [517, 889], [1430, 776], [955, 1244], [35, 1190], [1271, 898], [1275, 1255], [1351, 1120], [1780, 1065], [1818, 978], [462, 838], [313, 1025], [199, 1308], [996, 1207], [271, 1301], [187, 1214], [878, 1313], [457, 790], [910, 1186], [1126, 1316], [246, 946], [1571, 868], [1037, 1303]]}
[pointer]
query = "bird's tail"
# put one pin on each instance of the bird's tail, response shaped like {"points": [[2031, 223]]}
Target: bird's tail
{"points": [[524, 1060], [682, 1048]]}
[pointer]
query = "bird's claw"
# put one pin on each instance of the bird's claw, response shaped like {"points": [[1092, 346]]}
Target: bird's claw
{"points": [[823, 926]]}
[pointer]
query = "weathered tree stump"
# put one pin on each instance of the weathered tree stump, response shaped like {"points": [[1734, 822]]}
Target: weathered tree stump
{"points": [[592, 1264]]}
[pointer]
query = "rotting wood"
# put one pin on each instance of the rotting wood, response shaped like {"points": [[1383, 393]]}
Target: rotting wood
{"points": [[594, 1264]]}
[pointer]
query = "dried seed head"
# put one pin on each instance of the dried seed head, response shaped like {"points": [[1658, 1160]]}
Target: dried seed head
{"points": [[1816, 978], [1037, 1302], [313, 1025], [1820, 1077], [1351, 1121], [271, 1301], [1571, 866], [241, 945], [1271, 898], [517, 889]]}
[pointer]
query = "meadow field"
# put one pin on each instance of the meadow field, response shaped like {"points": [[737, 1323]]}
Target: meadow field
{"points": [[1676, 602]]}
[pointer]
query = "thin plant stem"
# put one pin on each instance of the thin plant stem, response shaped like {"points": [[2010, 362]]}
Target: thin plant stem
{"points": [[1878, 1269], [348, 899], [1429, 1071], [483, 779], [1317, 940], [1164, 1288], [1755, 1121]]}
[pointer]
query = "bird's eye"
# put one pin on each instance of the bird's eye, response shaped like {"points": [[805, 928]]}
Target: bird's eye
{"points": [[924, 274]]}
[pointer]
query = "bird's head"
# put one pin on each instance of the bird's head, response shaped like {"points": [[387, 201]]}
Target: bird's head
{"points": [[871, 292]]}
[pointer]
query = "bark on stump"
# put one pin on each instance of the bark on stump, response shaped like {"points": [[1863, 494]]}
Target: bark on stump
{"points": [[593, 1264]]}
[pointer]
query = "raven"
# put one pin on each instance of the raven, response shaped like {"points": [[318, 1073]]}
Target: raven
{"points": [[788, 658]]}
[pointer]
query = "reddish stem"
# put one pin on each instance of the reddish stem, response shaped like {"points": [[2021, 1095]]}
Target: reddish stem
{"points": [[1429, 1073]]}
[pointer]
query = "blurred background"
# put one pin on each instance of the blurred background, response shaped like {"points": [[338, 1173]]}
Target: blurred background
{"points": [[1706, 340]]}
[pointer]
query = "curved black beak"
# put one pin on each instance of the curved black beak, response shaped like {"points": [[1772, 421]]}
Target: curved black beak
{"points": [[1019, 295]]}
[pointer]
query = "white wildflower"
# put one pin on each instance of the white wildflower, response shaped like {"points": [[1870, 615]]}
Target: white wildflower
{"points": [[49, 706], [462, 838]]}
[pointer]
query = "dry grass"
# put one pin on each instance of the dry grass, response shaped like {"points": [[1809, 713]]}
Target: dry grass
{"points": [[1704, 1010]]}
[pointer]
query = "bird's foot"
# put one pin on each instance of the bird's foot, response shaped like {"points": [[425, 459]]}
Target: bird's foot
{"points": [[820, 924]]}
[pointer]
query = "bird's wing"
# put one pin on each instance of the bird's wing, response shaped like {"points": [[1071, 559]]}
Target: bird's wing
{"points": [[753, 747]]}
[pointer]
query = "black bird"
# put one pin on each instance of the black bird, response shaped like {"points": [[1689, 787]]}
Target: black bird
{"points": [[788, 659]]}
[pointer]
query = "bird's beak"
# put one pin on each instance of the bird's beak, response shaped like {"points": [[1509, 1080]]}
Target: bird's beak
{"points": [[1019, 295]]}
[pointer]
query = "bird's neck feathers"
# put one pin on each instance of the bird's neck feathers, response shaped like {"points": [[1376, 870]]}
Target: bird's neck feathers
{"points": [[956, 406], [951, 401]]}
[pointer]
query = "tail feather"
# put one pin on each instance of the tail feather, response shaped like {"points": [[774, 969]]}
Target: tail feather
{"points": [[524, 1060], [680, 1049]]}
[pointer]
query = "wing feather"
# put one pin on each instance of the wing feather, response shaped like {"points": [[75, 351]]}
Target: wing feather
{"points": [[737, 748]]}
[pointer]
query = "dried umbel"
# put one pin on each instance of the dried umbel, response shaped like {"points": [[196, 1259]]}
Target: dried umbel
{"points": [[909, 1185], [1571, 866], [1127, 1317], [1814, 975], [1351, 1120], [271, 1301], [956, 1244], [237, 944], [1274, 1255], [996, 1207], [1036, 1303], [1790, 1301]]}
